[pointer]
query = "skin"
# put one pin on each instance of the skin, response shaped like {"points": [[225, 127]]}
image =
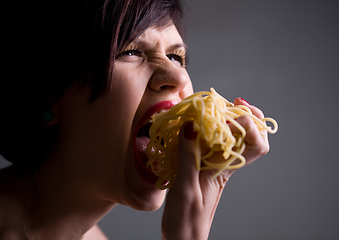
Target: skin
{"points": [[192, 201], [92, 166]]}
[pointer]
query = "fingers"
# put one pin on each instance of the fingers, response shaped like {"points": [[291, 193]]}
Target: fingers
{"points": [[253, 136], [189, 161], [193, 198], [189, 154], [255, 111], [187, 174], [191, 202], [256, 142]]}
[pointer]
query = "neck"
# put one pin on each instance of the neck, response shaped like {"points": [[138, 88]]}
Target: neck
{"points": [[64, 205]]}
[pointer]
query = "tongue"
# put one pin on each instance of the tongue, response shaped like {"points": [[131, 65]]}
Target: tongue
{"points": [[141, 146]]}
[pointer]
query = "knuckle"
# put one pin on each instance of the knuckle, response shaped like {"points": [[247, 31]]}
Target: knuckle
{"points": [[264, 149], [257, 112], [260, 114], [244, 120]]}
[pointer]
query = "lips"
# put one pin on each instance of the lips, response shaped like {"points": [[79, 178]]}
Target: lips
{"points": [[141, 140]]}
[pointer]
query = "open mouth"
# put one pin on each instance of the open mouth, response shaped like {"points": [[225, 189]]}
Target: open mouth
{"points": [[144, 130], [142, 137], [141, 142]]}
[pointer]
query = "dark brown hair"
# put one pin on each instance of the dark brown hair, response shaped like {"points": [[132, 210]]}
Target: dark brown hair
{"points": [[60, 43]]}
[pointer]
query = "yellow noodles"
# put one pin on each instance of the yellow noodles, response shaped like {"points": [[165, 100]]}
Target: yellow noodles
{"points": [[210, 114]]}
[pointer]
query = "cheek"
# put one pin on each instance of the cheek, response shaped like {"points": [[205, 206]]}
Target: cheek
{"points": [[134, 77], [122, 101], [188, 90], [109, 115]]}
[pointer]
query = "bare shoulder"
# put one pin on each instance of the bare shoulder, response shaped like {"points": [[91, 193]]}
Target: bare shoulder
{"points": [[95, 233]]}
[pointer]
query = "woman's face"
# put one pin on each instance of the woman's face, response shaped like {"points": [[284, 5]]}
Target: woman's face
{"points": [[105, 141]]}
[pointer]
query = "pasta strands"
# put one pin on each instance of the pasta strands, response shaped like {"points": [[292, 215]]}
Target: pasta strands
{"points": [[209, 113]]}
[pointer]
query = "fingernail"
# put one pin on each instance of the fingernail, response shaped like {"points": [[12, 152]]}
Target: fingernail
{"points": [[244, 101], [188, 131]]}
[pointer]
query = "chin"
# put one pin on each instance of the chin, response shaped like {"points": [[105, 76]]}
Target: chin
{"points": [[142, 193], [148, 201], [155, 203]]}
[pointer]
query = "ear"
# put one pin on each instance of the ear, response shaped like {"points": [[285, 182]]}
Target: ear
{"points": [[50, 116]]}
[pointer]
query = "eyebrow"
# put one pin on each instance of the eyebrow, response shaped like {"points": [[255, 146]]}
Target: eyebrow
{"points": [[178, 45], [147, 45]]}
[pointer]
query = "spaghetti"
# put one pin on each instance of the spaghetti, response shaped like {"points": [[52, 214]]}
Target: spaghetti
{"points": [[210, 114]]}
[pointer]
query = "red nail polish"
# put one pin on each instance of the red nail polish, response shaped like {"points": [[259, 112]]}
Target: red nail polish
{"points": [[244, 100], [188, 131]]}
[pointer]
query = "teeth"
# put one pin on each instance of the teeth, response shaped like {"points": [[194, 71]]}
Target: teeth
{"points": [[146, 126], [155, 115], [150, 120]]}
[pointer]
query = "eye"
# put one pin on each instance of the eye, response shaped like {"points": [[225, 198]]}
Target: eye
{"points": [[131, 53], [135, 52], [181, 59]]}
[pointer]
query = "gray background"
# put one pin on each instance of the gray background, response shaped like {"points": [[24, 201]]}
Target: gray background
{"points": [[282, 56]]}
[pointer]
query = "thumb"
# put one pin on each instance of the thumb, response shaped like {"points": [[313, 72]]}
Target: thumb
{"points": [[188, 154]]}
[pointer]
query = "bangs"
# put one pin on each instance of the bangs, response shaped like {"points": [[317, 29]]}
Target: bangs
{"points": [[71, 44], [117, 24]]}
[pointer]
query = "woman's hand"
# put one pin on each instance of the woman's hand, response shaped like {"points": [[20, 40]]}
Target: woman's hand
{"points": [[192, 200]]}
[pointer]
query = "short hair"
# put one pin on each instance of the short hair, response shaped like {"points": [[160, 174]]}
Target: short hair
{"points": [[56, 44]]}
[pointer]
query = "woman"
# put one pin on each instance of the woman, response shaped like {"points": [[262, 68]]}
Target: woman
{"points": [[100, 69]]}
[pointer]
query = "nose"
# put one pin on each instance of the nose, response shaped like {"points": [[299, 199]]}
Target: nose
{"points": [[168, 76]]}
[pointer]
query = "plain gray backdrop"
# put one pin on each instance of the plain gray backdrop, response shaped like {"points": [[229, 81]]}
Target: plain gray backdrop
{"points": [[282, 56]]}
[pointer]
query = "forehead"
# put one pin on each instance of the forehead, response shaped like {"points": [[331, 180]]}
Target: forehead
{"points": [[164, 36]]}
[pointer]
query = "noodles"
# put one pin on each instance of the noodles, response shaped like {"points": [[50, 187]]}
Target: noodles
{"points": [[210, 114]]}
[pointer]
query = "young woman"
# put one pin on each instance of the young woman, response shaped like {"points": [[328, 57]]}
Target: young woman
{"points": [[91, 73]]}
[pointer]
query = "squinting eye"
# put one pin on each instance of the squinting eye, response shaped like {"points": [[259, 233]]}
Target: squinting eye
{"points": [[130, 53], [174, 57]]}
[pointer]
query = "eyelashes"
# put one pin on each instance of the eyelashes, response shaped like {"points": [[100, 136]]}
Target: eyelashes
{"points": [[180, 56], [133, 50]]}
